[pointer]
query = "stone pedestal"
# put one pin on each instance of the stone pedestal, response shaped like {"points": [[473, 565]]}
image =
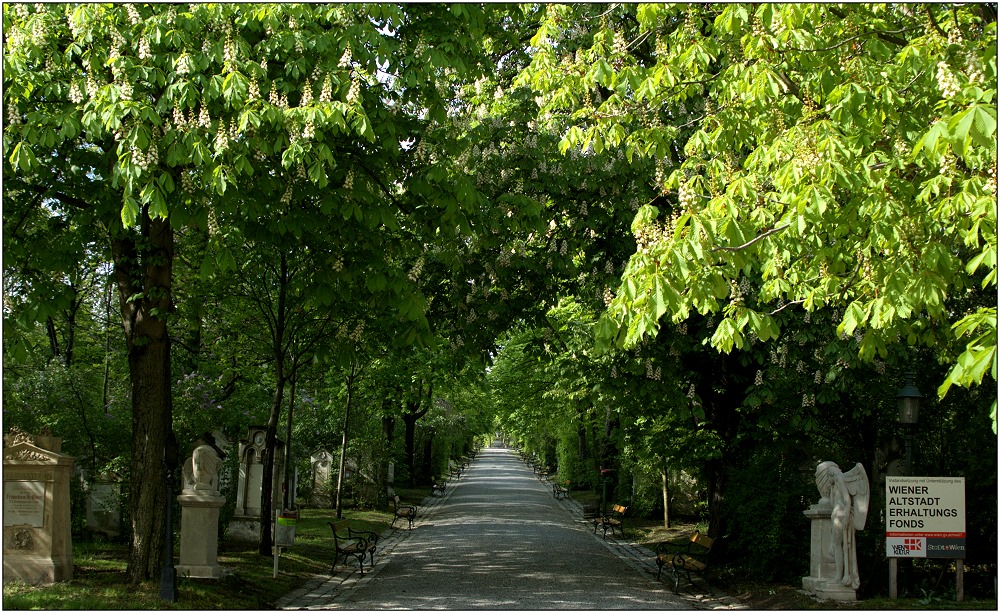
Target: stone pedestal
{"points": [[200, 535], [822, 568], [37, 542]]}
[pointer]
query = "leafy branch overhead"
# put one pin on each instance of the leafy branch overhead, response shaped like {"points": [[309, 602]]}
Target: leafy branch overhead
{"points": [[807, 155]]}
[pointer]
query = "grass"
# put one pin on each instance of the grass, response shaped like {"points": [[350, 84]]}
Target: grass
{"points": [[99, 581]]}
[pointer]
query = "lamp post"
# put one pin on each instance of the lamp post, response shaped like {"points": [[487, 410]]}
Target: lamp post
{"points": [[908, 401], [168, 574]]}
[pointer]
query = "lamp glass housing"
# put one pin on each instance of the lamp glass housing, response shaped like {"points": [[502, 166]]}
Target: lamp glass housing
{"points": [[909, 409]]}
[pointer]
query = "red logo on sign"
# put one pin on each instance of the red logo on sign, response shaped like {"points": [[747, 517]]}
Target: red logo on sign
{"points": [[913, 544]]}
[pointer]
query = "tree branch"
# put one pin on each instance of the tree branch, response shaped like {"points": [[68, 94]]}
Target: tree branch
{"points": [[757, 238]]}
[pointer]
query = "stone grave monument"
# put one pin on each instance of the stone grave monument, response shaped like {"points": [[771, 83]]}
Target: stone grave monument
{"points": [[245, 525], [322, 468], [37, 545], [200, 503], [103, 506], [841, 511]]}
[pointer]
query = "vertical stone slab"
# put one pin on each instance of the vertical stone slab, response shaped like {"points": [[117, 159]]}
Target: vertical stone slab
{"points": [[37, 541], [245, 525]]}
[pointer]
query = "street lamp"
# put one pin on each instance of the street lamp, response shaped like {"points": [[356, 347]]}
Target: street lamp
{"points": [[908, 401], [168, 574]]}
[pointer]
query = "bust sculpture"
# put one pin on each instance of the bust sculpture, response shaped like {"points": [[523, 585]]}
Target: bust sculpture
{"points": [[201, 470]]}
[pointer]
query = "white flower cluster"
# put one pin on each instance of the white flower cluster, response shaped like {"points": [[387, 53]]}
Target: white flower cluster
{"points": [[879, 366], [13, 117], [779, 356], [808, 400], [133, 14], [277, 99], [414, 273], [345, 59], [75, 95], [126, 91], [691, 392], [146, 159], [609, 296], [974, 68], [187, 183], [946, 80], [221, 137], [651, 373], [686, 196], [309, 131], [213, 223], [338, 264], [349, 179], [818, 378], [183, 66], [358, 331], [991, 180], [229, 53], [253, 91], [759, 379], [682, 328], [286, 198], [354, 93], [739, 290], [143, 50]]}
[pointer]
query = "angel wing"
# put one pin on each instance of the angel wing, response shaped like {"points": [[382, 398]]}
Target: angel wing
{"points": [[856, 481]]}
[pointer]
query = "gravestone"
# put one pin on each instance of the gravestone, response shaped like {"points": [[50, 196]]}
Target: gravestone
{"points": [[37, 544], [104, 507], [322, 469], [200, 503], [245, 525]]}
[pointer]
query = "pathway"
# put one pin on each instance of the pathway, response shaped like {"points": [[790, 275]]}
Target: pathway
{"points": [[497, 539]]}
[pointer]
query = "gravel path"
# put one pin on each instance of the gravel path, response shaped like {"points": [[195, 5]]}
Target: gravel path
{"points": [[497, 539]]}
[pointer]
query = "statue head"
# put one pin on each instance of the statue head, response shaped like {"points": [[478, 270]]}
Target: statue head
{"points": [[826, 472]]}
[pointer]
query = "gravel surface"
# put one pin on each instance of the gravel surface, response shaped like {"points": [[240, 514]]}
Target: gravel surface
{"points": [[497, 539]]}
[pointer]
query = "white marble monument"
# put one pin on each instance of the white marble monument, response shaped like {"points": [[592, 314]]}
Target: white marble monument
{"points": [[840, 513], [200, 503]]}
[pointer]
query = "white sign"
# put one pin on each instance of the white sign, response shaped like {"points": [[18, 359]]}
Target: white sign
{"points": [[925, 517], [24, 503]]}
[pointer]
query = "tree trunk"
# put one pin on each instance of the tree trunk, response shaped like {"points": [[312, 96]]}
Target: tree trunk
{"points": [[343, 443], [289, 496], [410, 417], [666, 498], [142, 270], [267, 481], [271, 433]]}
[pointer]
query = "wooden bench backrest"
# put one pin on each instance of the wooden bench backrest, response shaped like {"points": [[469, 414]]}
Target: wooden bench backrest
{"points": [[702, 540], [339, 526], [619, 509]]}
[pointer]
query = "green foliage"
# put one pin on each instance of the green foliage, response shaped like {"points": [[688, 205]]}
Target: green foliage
{"points": [[793, 148], [768, 537]]}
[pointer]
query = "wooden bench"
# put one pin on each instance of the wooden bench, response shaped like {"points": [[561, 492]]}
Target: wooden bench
{"points": [[348, 542], [438, 485], [560, 491], [408, 512], [612, 521], [685, 557]]}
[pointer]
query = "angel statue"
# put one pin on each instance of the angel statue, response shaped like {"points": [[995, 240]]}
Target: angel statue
{"points": [[849, 494]]}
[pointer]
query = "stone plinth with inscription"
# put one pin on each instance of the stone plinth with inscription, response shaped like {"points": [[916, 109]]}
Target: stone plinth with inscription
{"points": [[37, 545]]}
